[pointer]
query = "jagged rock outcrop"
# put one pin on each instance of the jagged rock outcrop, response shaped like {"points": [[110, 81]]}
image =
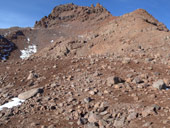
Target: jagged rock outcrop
{"points": [[70, 13], [148, 18]]}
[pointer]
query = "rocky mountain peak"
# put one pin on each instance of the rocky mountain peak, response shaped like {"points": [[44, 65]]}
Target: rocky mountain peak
{"points": [[149, 19], [71, 12]]}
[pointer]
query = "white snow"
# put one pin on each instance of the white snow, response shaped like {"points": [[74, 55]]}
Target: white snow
{"points": [[52, 41], [28, 40], [13, 103], [27, 52]]}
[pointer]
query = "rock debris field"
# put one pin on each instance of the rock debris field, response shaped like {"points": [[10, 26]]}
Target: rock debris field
{"points": [[108, 72]]}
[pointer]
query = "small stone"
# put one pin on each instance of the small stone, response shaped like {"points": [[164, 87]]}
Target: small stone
{"points": [[103, 113], [126, 60], [87, 100], [147, 111], [82, 121], [52, 126], [93, 118], [53, 85], [102, 123], [137, 80], [120, 122], [32, 75], [159, 84], [156, 107], [152, 96], [132, 116], [117, 86], [33, 124], [136, 98], [165, 121], [92, 93], [43, 126], [114, 80], [91, 125], [71, 123], [147, 124], [168, 118]]}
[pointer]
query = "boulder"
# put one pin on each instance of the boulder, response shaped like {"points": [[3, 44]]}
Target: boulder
{"points": [[114, 80], [28, 94]]}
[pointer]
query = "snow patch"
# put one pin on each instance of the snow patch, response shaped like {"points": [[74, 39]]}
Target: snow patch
{"points": [[28, 40], [52, 41], [13, 103], [27, 52]]}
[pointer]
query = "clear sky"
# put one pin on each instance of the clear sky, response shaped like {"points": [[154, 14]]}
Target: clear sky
{"points": [[24, 13]]}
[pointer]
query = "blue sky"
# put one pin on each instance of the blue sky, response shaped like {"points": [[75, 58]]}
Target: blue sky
{"points": [[24, 13]]}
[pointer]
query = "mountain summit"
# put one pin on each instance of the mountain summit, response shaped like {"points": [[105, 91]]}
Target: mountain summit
{"points": [[70, 13]]}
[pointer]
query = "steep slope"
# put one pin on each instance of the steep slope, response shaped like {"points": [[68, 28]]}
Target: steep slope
{"points": [[130, 32], [134, 34]]}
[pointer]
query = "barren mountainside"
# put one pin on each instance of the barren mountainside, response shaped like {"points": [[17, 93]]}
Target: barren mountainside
{"points": [[81, 67]]}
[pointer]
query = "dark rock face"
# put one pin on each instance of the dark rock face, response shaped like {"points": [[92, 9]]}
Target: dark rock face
{"points": [[6, 47], [71, 12], [16, 34]]}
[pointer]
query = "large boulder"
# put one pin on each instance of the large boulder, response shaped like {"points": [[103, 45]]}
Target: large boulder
{"points": [[28, 94]]}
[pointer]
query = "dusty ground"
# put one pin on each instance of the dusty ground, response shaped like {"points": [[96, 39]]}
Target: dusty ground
{"points": [[102, 72]]}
